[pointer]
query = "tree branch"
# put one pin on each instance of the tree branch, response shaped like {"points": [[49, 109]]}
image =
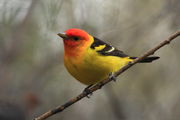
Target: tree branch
{"points": [[104, 82]]}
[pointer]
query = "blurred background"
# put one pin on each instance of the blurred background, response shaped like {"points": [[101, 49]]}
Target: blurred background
{"points": [[33, 78]]}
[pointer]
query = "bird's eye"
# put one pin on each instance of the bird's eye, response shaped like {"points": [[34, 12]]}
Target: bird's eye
{"points": [[76, 38]]}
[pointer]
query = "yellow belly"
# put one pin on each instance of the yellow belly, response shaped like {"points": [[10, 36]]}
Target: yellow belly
{"points": [[93, 67]]}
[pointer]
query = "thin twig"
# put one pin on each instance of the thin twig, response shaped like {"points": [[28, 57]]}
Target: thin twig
{"points": [[102, 83]]}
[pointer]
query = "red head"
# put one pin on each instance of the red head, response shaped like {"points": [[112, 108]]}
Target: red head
{"points": [[75, 40]]}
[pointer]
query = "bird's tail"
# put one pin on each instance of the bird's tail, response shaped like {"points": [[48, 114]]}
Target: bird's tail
{"points": [[148, 59]]}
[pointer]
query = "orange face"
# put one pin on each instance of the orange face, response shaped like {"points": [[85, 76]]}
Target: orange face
{"points": [[75, 40]]}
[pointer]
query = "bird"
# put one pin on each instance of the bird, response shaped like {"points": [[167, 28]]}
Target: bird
{"points": [[90, 60]]}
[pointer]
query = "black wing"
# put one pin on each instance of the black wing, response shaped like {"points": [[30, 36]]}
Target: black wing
{"points": [[108, 50]]}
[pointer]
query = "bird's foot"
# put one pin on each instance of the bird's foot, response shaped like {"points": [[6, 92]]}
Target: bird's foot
{"points": [[112, 77], [130, 62], [88, 91]]}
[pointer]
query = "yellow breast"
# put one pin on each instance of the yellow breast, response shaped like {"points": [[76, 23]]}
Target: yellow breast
{"points": [[93, 67]]}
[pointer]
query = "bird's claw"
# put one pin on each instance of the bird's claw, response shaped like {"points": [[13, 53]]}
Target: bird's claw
{"points": [[129, 62], [112, 77], [87, 91]]}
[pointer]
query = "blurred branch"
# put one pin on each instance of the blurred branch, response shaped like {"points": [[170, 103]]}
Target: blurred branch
{"points": [[10, 54], [104, 82], [29, 13]]}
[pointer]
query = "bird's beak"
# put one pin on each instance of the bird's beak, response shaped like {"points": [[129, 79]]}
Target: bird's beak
{"points": [[62, 35]]}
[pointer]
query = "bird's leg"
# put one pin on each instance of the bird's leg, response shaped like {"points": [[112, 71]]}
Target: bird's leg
{"points": [[112, 77], [130, 62], [87, 90]]}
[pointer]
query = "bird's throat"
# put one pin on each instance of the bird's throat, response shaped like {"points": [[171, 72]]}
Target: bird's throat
{"points": [[72, 51]]}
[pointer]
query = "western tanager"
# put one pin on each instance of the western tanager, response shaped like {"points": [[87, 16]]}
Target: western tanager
{"points": [[91, 60]]}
